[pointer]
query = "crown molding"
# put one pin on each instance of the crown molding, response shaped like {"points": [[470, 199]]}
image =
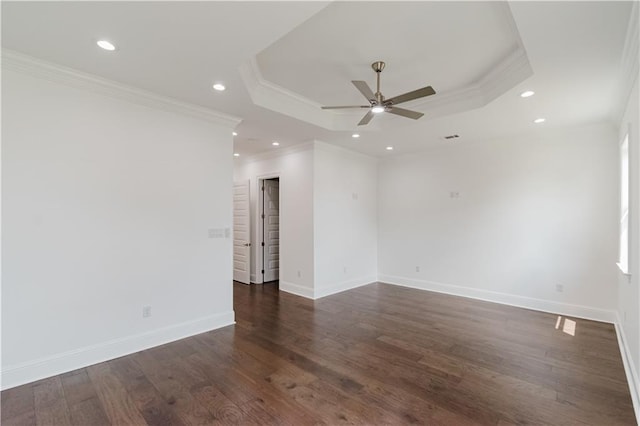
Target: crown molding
{"points": [[336, 149], [511, 70], [21, 63], [311, 145], [629, 68], [269, 95], [276, 98], [304, 146]]}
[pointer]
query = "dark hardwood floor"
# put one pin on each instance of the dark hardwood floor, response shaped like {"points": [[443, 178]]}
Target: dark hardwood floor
{"points": [[378, 354]]}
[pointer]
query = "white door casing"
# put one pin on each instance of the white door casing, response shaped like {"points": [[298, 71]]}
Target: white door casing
{"points": [[271, 230], [241, 232]]}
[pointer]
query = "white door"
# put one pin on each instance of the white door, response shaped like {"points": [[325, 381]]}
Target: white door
{"points": [[241, 232], [271, 230]]}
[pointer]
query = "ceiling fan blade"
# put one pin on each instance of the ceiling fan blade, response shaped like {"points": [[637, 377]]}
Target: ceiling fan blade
{"points": [[409, 96], [346, 106], [404, 112], [366, 119], [364, 88]]}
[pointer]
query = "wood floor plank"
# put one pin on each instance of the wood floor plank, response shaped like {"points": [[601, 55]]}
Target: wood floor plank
{"points": [[325, 405], [82, 399], [149, 402], [77, 386], [50, 404], [223, 409], [114, 398], [17, 403], [24, 419], [165, 377], [88, 412]]}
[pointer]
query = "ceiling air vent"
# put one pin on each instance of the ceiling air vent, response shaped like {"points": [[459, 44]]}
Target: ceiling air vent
{"points": [[451, 137]]}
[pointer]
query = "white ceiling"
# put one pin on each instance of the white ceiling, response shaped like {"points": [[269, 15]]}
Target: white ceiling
{"points": [[318, 59], [572, 53]]}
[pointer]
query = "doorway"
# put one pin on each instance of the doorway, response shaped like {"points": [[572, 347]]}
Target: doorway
{"points": [[270, 229]]}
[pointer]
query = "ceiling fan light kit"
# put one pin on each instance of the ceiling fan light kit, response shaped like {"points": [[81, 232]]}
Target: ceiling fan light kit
{"points": [[378, 103]]}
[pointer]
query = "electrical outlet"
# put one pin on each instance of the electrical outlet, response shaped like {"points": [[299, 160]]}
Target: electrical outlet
{"points": [[454, 194], [146, 311], [299, 274], [344, 269], [559, 288], [354, 196], [417, 269]]}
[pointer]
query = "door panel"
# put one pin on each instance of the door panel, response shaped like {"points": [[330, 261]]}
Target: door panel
{"points": [[271, 256], [241, 233]]}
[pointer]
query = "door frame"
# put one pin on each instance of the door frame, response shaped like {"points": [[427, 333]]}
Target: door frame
{"points": [[258, 253]]}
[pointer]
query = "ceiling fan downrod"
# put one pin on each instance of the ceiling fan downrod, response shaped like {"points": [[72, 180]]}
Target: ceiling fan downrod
{"points": [[378, 66]]}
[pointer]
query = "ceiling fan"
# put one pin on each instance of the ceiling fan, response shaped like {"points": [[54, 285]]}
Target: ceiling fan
{"points": [[378, 103]]}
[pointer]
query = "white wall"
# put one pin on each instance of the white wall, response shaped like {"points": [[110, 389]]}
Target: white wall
{"points": [[345, 219], [533, 211], [106, 207], [295, 169], [628, 303], [323, 229]]}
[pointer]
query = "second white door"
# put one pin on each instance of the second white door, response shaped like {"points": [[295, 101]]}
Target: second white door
{"points": [[271, 230]]}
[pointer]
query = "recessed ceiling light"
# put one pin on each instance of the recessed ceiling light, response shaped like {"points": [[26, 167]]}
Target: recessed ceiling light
{"points": [[355, 135], [235, 133], [377, 109], [235, 154], [389, 148], [274, 143], [106, 45], [219, 87], [539, 120], [527, 93]]}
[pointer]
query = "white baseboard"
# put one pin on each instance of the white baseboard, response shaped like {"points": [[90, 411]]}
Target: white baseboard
{"points": [[30, 371], [567, 309], [343, 286], [296, 289], [629, 367]]}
